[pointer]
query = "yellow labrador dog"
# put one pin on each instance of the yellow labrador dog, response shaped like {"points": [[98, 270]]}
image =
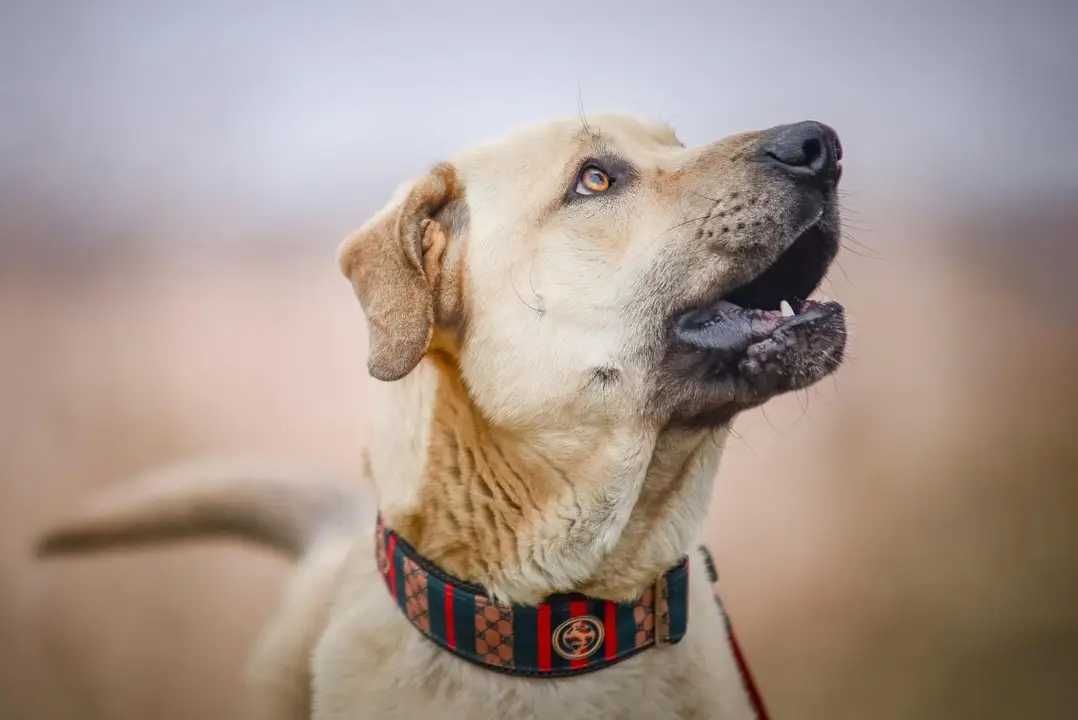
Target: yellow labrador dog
{"points": [[563, 324]]}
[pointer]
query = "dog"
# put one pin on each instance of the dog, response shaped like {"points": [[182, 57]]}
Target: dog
{"points": [[563, 324]]}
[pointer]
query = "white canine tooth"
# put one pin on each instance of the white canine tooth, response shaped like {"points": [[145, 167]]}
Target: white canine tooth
{"points": [[787, 311]]}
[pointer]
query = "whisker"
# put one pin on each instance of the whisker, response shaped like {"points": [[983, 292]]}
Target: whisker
{"points": [[848, 235], [531, 286], [845, 274], [763, 411], [802, 396], [537, 309], [847, 222], [706, 197], [741, 437], [580, 109], [861, 253], [675, 227], [852, 226]]}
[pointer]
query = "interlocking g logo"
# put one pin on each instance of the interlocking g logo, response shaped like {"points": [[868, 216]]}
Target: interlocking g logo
{"points": [[578, 638]]}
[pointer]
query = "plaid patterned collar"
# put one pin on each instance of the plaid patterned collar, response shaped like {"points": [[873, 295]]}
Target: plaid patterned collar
{"points": [[567, 634]]}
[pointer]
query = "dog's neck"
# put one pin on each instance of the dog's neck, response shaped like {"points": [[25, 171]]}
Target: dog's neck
{"points": [[598, 511]]}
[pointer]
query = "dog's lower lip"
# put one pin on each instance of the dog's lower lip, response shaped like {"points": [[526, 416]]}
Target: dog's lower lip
{"points": [[729, 329]]}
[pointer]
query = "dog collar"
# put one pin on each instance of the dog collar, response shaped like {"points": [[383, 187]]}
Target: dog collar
{"points": [[567, 634]]}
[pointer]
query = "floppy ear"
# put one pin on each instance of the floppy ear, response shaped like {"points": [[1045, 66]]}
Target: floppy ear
{"points": [[393, 262]]}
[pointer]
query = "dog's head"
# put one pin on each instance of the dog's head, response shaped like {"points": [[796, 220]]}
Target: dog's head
{"points": [[580, 272]]}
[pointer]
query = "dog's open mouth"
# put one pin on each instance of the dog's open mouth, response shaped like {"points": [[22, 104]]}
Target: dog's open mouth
{"points": [[766, 335]]}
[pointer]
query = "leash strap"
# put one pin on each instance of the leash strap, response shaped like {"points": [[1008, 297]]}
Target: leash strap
{"points": [[567, 634], [755, 698]]}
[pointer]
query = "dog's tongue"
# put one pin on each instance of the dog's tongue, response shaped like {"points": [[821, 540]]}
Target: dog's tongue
{"points": [[726, 328]]}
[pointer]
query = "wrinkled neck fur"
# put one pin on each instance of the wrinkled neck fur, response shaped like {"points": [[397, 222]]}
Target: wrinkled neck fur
{"points": [[599, 511]]}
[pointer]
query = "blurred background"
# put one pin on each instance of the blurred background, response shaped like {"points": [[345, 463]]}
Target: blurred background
{"points": [[898, 542]]}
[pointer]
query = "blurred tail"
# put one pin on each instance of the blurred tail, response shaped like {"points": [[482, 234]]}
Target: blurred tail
{"points": [[286, 515]]}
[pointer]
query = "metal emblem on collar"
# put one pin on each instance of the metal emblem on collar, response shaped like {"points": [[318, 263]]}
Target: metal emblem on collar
{"points": [[578, 638]]}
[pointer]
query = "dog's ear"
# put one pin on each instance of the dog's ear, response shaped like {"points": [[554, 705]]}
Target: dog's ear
{"points": [[393, 262]]}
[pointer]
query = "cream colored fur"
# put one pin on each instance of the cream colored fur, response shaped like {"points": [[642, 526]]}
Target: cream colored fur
{"points": [[575, 483]]}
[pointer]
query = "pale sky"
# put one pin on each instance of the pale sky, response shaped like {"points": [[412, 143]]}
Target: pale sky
{"points": [[216, 110]]}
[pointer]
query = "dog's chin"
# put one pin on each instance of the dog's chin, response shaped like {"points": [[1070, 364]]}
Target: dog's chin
{"points": [[757, 341]]}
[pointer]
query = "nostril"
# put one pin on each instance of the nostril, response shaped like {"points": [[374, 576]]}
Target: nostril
{"points": [[811, 153]]}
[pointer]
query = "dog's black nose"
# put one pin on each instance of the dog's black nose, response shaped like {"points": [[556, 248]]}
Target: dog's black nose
{"points": [[806, 149]]}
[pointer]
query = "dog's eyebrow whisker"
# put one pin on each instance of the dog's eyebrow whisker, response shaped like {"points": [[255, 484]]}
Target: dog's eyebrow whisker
{"points": [[583, 118]]}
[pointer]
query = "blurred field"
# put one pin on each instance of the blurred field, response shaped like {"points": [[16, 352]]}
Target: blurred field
{"points": [[898, 542]]}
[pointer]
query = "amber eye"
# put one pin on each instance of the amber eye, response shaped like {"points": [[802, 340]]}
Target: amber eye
{"points": [[592, 180]]}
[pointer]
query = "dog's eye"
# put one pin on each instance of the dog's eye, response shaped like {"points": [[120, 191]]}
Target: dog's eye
{"points": [[593, 180]]}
